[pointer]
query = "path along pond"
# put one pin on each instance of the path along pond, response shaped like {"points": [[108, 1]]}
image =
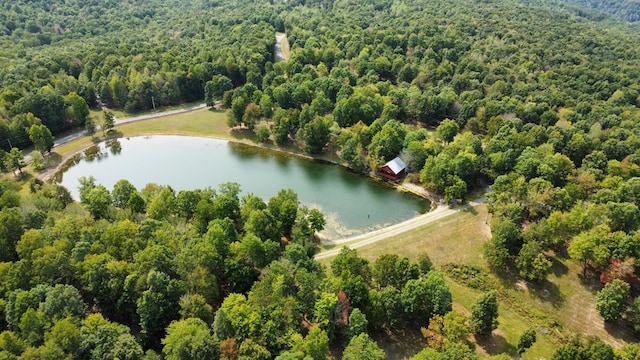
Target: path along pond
{"points": [[352, 204]]}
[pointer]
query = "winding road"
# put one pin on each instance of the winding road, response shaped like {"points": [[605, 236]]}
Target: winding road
{"points": [[397, 229]]}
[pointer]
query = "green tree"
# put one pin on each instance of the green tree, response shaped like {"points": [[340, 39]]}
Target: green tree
{"points": [[37, 160], [251, 350], [15, 161], [63, 301], [325, 312], [252, 113], [41, 137], [456, 326], [189, 339], [526, 340], [357, 323], [427, 296], [157, 305], [447, 130], [215, 88], [65, 334], [263, 132], [388, 142], [316, 134], [362, 347], [349, 261], [122, 191], [11, 231], [484, 314], [90, 126], [634, 314], [78, 109], [98, 201], [108, 121], [393, 311], [611, 301], [316, 344], [102, 339], [532, 263], [195, 306]]}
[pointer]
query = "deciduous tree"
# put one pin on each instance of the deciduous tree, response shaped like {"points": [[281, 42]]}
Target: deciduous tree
{"points": [[612, 299], [484, 314]]}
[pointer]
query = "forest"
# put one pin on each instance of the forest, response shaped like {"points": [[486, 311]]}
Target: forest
{"points": [[539, 101], [628, 10]]}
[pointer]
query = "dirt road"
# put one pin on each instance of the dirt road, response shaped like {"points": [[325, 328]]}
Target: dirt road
{"points": [[382, 234]]}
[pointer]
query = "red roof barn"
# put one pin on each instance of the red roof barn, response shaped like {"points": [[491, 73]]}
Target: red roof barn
{"points": [[393, 170]]}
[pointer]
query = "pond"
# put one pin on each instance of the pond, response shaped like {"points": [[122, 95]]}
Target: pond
{"points": [[352, 204]]}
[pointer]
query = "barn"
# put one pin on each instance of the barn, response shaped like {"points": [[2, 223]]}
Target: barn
{"points": [[393, 170]]}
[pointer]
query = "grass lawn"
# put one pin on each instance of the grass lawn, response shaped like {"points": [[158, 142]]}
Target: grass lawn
{"points": [[197, 123]]}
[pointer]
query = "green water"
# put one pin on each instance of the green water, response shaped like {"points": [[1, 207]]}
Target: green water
{"points": [[352, 204]]}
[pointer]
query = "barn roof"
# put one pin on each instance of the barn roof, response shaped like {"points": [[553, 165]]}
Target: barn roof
{"points": [[396, 165]]}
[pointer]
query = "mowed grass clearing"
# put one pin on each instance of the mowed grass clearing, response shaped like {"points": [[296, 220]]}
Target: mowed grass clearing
{"points": [[202, 122]]}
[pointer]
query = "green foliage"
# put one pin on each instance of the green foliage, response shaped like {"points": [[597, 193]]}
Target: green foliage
{"points": [[484, 314], [532, 263], [588, 348], [425, 297], [41, 138], [447, 130], [263, 132], [526, 340], [357, 323], [108, 121], [316, 134], [189, 339], [612, 299], [456, 327], [362, 347]]}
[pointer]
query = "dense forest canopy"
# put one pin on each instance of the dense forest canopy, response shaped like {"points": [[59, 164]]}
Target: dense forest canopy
{"points": [[538, 100], [628, 10]]}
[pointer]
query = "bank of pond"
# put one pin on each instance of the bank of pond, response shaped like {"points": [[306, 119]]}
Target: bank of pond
{"points": [[352, 204]]}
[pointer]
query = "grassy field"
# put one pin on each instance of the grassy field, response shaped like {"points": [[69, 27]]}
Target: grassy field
{"points": [[201, 122]]}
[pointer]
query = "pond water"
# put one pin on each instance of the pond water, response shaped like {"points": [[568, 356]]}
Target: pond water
{"points": [[352, 204]]}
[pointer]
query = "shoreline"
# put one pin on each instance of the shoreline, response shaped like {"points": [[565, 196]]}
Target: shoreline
{"points": [[407, 187]]}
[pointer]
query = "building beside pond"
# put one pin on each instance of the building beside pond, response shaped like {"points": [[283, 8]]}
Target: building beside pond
{"points": [[393, 170]]}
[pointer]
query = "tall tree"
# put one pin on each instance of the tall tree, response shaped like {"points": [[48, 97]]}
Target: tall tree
{"points": [[108, 121], [362, 347], [189, 339], [316, 134], [611, 301], [78, 109], [15, 161], [41, 137], [484, 314]]}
